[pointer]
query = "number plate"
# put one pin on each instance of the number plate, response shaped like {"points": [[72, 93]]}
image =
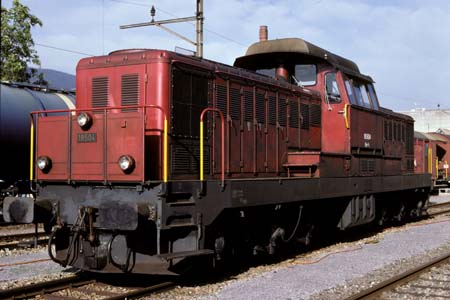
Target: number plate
{"points": [[87, 137]]}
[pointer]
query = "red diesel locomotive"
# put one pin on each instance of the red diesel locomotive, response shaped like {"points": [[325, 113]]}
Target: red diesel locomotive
{"points": [[169, 157]]}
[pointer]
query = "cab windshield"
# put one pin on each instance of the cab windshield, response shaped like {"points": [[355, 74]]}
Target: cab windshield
{"points": [[361, 93], [301, 74]]}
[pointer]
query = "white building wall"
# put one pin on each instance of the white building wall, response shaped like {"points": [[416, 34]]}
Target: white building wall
{"points": [[429, 120]]}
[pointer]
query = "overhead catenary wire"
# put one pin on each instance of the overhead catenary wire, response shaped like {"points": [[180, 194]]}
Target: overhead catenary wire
{"points": [[175, 16], [63, 49]]}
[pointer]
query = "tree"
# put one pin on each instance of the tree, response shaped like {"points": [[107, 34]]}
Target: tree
{"points": [[17, 48]]}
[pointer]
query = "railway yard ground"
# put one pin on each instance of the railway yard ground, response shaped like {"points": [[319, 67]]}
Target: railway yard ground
{"points": [[332, 272]]}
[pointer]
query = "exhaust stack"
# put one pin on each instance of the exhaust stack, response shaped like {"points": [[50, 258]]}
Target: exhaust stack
{"points": [[263, 33]]}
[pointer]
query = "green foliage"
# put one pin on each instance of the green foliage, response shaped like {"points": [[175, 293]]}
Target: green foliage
{"points": [[17, 45]]}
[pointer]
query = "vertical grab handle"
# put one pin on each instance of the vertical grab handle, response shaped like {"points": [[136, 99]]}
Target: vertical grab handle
{"points": [[347, 125], [31, 149]]}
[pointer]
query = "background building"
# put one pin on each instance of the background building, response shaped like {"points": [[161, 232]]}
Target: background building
{"points": [[429, 120]]}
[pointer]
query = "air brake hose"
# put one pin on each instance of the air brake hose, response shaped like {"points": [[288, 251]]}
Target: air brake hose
{"points": [[69, 249]]}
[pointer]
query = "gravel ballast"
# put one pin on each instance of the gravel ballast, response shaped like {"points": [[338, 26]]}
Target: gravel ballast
{"points": [[303, 281]]}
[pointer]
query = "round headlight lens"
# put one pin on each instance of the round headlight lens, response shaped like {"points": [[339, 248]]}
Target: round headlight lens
{"points": [[126, 163], [84, 120], [44, 163]]}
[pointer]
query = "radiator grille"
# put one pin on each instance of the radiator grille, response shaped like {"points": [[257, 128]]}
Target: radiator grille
{"points": [[410, 165], [130, 91], [221, 99], [186, 157], [248, 102], [235, 104], [304, 109], [367, 165], [409, 139], [395, 132], [260, 109], [100, 90], [293, 114], [282, 112], [272, 110], [316, 114], [390, 133], [403, 133]]}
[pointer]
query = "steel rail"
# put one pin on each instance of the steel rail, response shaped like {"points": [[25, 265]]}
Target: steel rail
{"points": [[143, 291], [15, 245], [438, 206], [391, 283], [32, 290], [443, 204], [77, 282], [22, 235]]}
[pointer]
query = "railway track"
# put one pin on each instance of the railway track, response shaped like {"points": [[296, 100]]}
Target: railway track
{"points": [[439, 209], [79, 287], [17, 240], [419, 283]]}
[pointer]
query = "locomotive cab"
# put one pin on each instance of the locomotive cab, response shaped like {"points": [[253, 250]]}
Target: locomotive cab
{"points": [[358, 138]]}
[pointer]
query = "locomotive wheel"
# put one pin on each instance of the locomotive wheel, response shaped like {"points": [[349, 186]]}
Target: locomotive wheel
{"points": [[382, 219]]}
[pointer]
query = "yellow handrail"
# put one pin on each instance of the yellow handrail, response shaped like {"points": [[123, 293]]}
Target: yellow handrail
{"points": [[430, 160], [165, 151], [446, 170], [437, 167], [31, 150], [347, 125]]}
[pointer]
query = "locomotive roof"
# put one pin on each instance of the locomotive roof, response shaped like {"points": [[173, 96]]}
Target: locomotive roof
{"points": [[429, 136], [288, 48]]}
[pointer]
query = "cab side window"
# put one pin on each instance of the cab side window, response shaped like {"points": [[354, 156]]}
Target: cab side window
{"points": [[373, 96], [333, 94], [361, 94], [350, 93]]}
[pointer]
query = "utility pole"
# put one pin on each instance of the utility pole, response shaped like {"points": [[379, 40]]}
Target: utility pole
{"points": [[198, 26]]}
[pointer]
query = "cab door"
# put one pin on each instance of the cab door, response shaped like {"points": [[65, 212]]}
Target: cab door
{"points": [[335, 133]]}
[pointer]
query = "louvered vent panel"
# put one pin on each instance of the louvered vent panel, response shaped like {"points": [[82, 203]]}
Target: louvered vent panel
{"points": [[186, 157], [130, 91], [410, 165], [304, 109], [235, 104], [403, 133], [293, 114], [260, 109], [386, 130], [316, 114], [282, 112], [395, 132], [272, 110], [248, 102], [409, 139], [100, 89], [367, 165], [390, 135], [221, 99]]}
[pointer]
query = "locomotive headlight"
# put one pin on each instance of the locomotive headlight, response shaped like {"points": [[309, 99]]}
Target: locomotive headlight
{"points": [[126, 163], [44, 163], [84, 120]]}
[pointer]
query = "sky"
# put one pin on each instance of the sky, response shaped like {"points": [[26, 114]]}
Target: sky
{"points": [[404, 45]]}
